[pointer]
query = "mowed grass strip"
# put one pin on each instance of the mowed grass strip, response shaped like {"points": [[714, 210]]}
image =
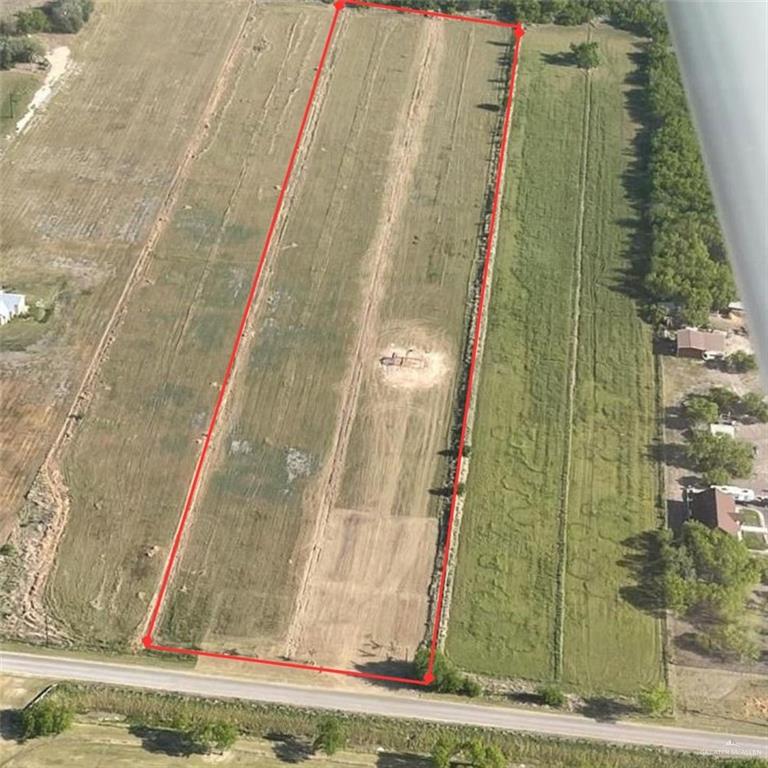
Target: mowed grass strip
{"points": [[608, 643], [503, 610]]}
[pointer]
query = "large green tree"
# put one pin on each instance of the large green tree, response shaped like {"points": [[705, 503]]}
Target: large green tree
{"points": [[585, 54], [720, 457]]}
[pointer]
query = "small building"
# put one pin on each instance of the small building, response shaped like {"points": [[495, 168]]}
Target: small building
{"points": [[715, 509], [693, 342], [722, 429], [11, 305]]}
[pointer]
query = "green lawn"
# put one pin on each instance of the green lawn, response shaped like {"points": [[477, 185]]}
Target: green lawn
{"points": [[16, 91], [505, 602]]}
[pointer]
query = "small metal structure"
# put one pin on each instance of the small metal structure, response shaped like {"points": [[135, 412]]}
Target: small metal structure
{"points": [[408, 360]]}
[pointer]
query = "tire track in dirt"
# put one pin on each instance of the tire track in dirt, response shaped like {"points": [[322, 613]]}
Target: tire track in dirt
{"points": [[404, 151], [562, 540], [48, 498]]}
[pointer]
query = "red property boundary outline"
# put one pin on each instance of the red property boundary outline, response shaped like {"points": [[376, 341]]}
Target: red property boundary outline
{"points": [[429, 677]]}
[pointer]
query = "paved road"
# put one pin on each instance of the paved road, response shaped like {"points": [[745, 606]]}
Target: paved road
{"points": [[405, 706]]}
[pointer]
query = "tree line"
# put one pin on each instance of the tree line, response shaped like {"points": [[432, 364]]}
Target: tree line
{"points": [[688, 265], [59, 16]]}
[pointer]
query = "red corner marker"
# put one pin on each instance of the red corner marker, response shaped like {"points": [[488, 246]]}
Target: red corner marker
{"points": [[429, 677]]}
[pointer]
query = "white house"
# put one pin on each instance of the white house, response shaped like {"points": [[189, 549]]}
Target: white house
{"points": [[11, 305], [722, 429]]}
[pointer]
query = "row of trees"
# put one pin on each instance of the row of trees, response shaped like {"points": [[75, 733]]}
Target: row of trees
{"points": [[688, 266], [645, 16], [51, 716], [61, 16]]}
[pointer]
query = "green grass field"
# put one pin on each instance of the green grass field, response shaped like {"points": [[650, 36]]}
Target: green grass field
{"points": [[505, 605], [16, 91]]}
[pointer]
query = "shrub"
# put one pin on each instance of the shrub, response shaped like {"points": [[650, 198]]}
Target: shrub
{"points": [[448, 679], [33, 20], [551, 695], [466, 450], [740, 362], [727, 400], [7, 549], [701, 410], [754, 406], [586, 55], [45, 717], [330, 736], [68, 16], [212, 736], [656, 701], [19, 49]]}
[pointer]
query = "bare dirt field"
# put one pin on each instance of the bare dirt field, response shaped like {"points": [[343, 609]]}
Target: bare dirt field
{"points": [[318, 504]]}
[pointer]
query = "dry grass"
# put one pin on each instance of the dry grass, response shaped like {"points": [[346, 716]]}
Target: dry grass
{"points": [[80, 190], [721, 699], [317, 453], [319, 492]]}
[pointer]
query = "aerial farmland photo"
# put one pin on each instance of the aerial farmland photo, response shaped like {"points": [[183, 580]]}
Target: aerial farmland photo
{"points": [[383, 383]]}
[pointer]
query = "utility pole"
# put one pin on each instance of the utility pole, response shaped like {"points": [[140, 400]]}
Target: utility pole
{"points": [[13, 97]]}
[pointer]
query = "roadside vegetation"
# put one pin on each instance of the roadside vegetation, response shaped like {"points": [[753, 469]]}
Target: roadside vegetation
{"points": [[48, 716], [448, 679], [163, 722]]}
